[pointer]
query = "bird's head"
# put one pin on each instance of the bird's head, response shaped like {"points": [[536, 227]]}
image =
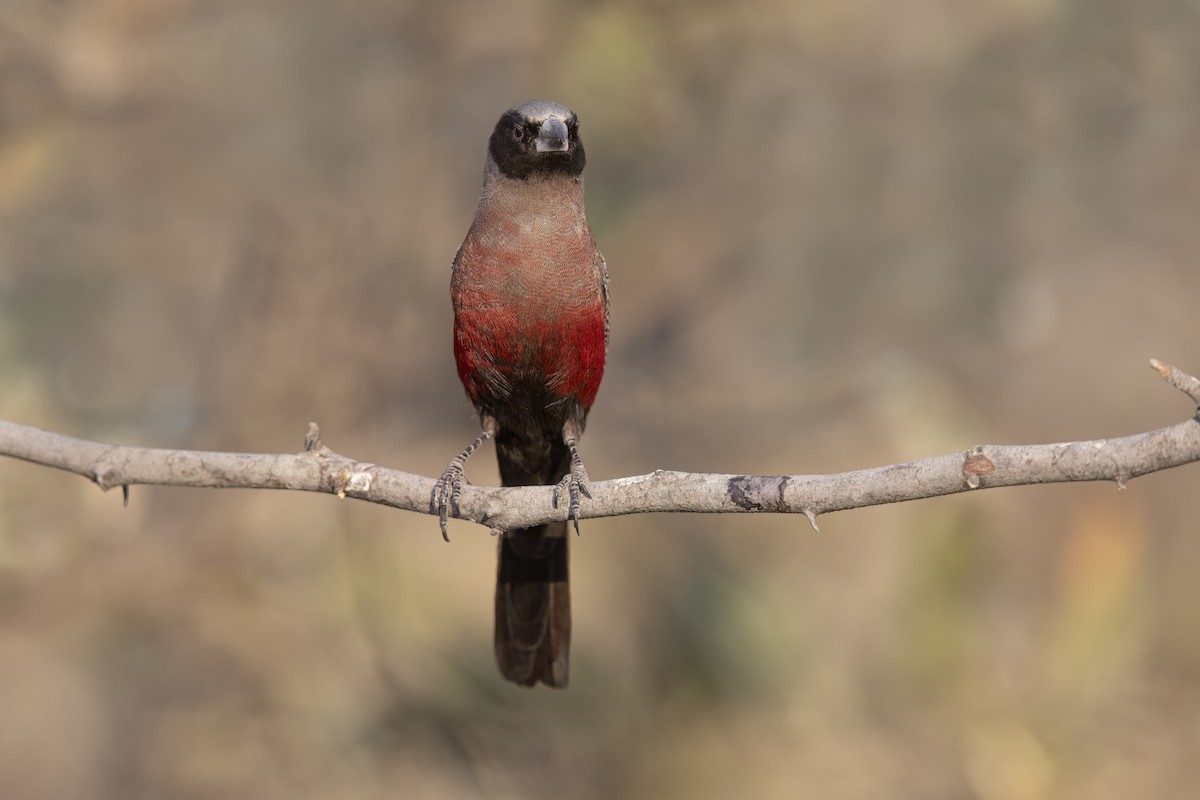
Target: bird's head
{"points": [[537, 138]]}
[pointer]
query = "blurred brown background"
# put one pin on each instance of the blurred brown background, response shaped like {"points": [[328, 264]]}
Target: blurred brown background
{"points": [[840, 234]]}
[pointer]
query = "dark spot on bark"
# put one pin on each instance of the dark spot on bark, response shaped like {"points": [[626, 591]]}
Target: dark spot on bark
{"points": [[758, 493]]}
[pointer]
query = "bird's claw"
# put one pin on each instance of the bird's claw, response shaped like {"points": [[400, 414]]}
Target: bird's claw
{"points": [[574, 483], [445, 494]]}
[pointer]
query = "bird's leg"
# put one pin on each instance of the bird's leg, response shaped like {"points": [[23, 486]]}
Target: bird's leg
{"points": [[449, 486], [575, 482]]}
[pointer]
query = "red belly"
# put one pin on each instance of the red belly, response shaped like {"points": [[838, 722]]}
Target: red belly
{"points": [[562, 349]]}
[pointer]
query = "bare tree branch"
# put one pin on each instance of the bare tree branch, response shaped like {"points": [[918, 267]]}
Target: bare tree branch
{"points": [[319, 469]]}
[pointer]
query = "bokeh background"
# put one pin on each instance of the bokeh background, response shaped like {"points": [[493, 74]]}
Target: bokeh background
{"points": [[840, 234]]}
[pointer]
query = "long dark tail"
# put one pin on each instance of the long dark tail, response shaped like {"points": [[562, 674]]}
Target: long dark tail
{"points": [[533, 593]]}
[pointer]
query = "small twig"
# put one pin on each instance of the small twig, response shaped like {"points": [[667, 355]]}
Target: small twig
{"points": [[1179, 379]]}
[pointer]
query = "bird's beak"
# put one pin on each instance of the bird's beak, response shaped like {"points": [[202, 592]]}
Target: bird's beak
{"points": [[552, 136]]}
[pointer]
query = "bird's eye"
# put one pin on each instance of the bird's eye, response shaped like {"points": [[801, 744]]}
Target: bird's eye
{"points": [[518, 133]]}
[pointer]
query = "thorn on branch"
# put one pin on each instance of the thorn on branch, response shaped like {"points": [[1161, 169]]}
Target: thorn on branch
{"points": [[812, 519], [312, 439], [125, 495]]}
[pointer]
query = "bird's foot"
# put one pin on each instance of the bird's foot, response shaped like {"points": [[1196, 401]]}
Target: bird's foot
{"points": [[445, 494], [444, 500], [574, 483]]}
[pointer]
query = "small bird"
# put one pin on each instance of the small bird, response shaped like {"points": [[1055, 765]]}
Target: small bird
{"points": [[530, 295]]}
